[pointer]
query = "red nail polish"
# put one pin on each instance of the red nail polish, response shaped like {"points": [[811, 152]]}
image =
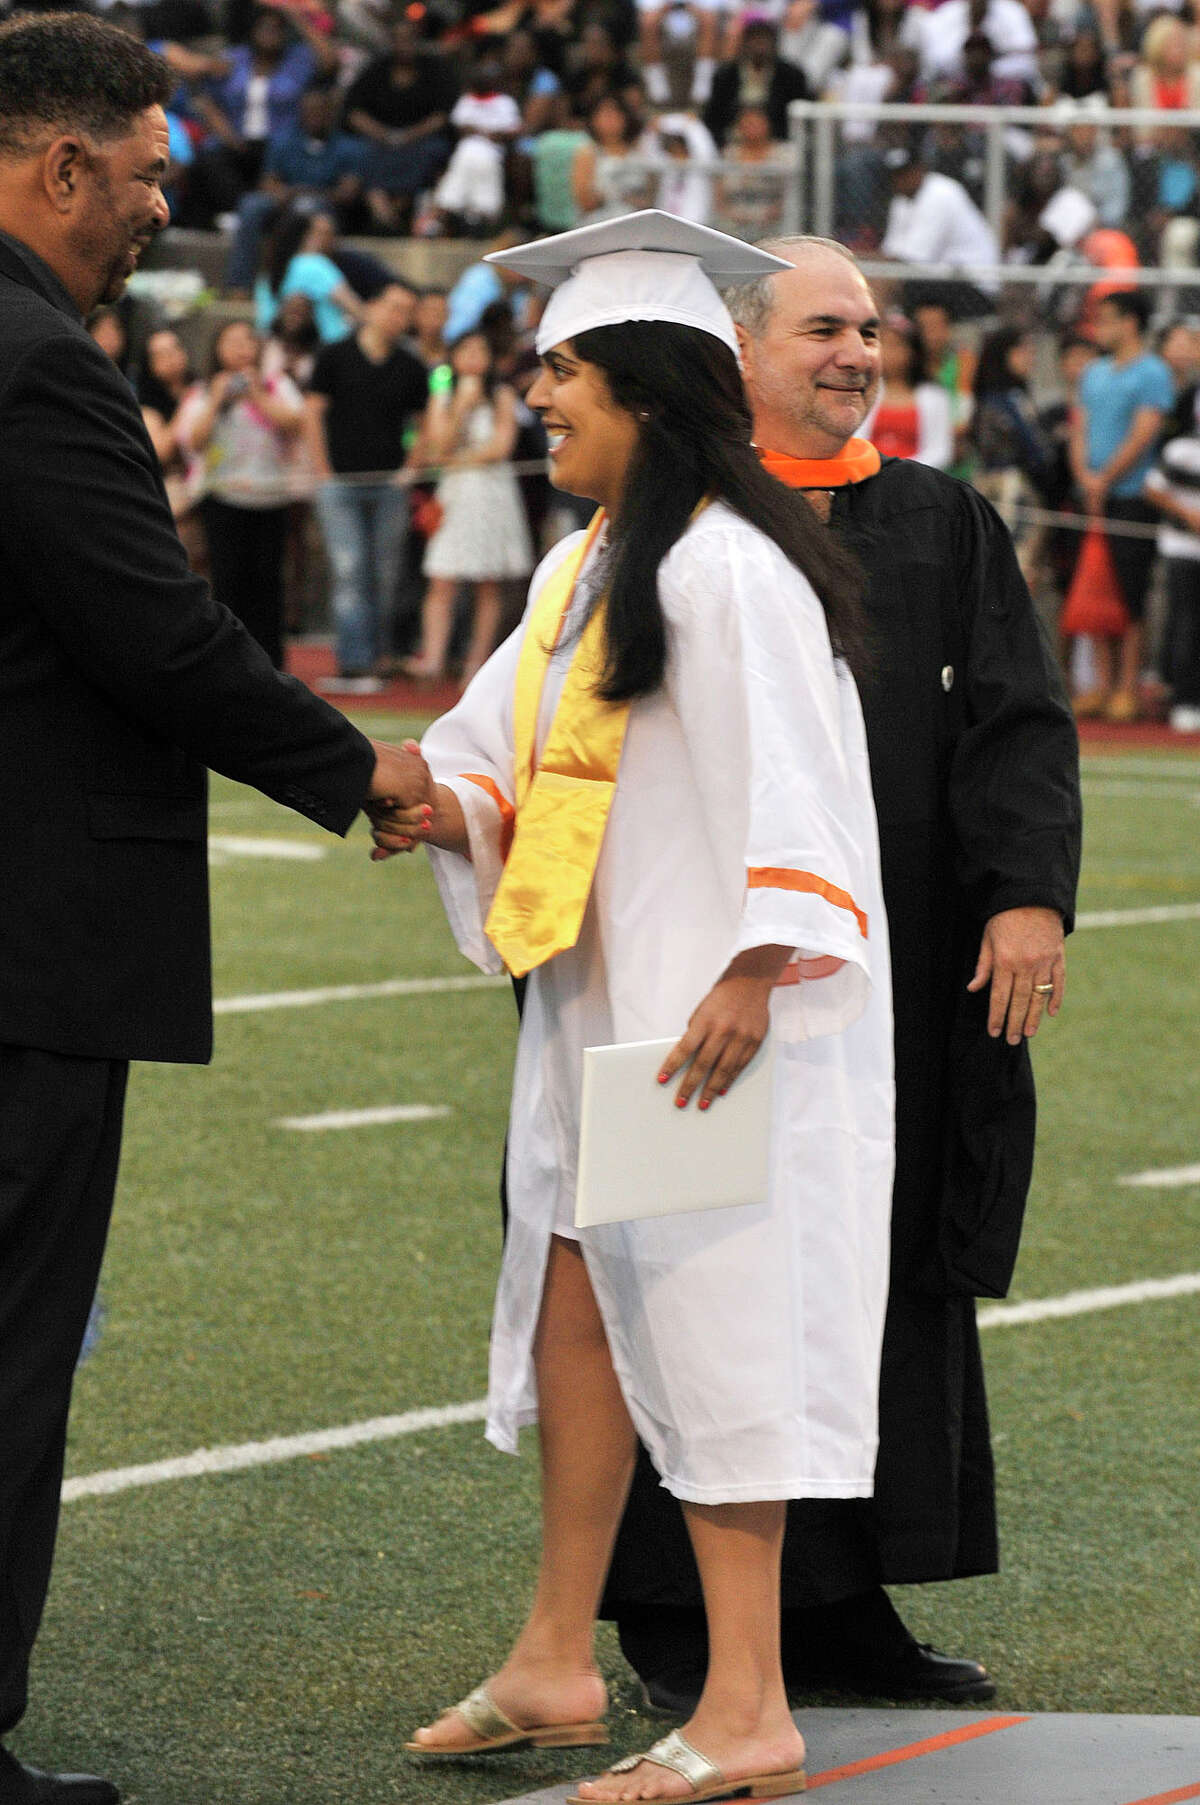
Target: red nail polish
{"points": [[704, 1102], [681, 1102], [663, 1077]]}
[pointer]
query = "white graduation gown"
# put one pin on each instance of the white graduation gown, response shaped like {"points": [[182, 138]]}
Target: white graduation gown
{"points": [[746, 1340]]}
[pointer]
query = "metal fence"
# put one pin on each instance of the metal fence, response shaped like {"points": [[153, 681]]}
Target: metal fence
{"points": [[1011, 160]]}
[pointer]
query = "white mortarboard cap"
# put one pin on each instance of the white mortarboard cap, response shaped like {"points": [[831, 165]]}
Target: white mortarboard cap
{"points": [[644, 266]]}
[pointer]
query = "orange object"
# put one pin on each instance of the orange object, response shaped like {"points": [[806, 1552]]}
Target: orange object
{"points": [[777, 877], [1094, 602]]}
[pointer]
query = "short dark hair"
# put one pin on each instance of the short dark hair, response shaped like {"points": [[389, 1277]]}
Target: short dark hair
{"points": [[70, 72], [1134, 303]]}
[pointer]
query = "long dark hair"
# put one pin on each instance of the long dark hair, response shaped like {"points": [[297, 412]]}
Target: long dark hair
{"points": [[993, 375], [683, 388]]}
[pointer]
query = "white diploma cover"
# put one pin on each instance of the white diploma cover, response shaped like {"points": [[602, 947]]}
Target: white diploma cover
{"points": [[640, 1155]]}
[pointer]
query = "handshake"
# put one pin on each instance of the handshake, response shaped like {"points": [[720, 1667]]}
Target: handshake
{"points": [[402, 803]]}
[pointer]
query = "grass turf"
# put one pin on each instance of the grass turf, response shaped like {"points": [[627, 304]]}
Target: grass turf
{"points": [[271, 1636]]}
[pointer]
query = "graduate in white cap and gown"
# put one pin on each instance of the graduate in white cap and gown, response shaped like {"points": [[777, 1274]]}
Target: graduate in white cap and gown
{"points": [[654, 800]]}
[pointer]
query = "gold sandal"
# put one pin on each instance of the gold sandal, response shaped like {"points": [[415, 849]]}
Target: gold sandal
{"points": [[705, 1777], [495, 1730]]}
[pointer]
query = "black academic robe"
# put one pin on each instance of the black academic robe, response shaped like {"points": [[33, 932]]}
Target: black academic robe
{"points": [[974, 766]]}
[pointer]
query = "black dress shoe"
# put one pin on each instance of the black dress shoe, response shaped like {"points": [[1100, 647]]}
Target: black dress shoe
{"points": [[915, 1671], [21, 1785]]}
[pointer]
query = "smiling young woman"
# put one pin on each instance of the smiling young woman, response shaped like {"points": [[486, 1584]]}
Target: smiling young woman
{"points": [[654, 801]]}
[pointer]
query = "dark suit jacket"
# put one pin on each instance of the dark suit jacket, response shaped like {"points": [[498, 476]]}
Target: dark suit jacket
{"points": [[120, 681], [725, 96]]}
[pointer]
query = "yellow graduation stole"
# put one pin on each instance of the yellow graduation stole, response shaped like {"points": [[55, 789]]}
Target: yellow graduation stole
{"points": [[562, 804]]}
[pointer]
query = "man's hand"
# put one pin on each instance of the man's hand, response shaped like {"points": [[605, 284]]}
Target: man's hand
{"points": [[1021, 950], [401, 794]]}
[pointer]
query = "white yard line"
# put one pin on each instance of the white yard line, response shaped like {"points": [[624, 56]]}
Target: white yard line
{"points": [[245, 846], [1165, 1178], [412, 987], [1137, 918], [365, 1118], [243, 1455], [1083, 1303], [352, 993]]}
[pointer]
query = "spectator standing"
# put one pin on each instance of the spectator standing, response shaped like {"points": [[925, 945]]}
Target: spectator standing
{"points": [[365, 391], [429, 327], [952, 366], [477, 289], [166, 383], [311, 164], [913, 418], [293, 342], [1084, 71], [1124, 399], [610, 175], [758, 76], [245, 426], [1015, 458], [401, 104], [298, 261], [684, 151], [107, 326], [1173, 488], [251, 100], [533, 85], [752, 186], [470, 430]]}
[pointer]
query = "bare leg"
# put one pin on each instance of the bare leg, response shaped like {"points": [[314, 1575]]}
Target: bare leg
{"points": [[437, 620], [587, 1451], [742, 1722], [483, 627], [1130, 660]]}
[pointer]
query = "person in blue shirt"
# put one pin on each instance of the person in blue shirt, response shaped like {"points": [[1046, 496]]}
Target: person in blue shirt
{"points": [[1124, 399], [477, 289], [310, 162], [299, 261]]}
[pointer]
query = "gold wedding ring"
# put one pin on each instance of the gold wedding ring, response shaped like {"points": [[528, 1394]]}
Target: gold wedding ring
{"points": [[1043, 990]]}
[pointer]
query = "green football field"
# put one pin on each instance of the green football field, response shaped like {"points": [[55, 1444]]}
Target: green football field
{"points": [[269, 1635]]}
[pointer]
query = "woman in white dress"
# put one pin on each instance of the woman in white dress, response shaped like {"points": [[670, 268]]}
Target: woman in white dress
{"points": [[470, 431], [654, 798]]}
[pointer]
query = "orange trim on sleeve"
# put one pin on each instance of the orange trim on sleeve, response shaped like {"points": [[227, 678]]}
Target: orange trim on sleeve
{"points": [[778, 877], [508, 814]]}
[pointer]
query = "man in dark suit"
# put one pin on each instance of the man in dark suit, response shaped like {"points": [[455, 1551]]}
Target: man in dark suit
{"points": [[120, 681], [975, 774]]}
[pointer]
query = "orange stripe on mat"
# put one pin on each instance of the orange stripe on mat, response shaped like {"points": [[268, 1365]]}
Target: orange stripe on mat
{"points": [[1170, 1798], [947, 1740]]}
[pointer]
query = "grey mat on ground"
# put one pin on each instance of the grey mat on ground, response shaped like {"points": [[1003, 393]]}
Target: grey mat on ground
{"points": [[990, 1758]]}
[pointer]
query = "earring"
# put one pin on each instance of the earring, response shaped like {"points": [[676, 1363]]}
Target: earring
{"points": [[643, 414]]}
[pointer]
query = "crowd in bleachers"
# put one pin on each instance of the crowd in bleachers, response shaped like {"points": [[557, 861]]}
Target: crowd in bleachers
{"points": [[301, 130]]}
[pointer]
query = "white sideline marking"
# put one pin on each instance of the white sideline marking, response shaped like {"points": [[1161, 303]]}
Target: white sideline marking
{"points": [[244, 846], [267, 1453], [351, 993], [413, 987], [1136, 918], [1164, 1177], [1082, 1303], [389, 1428], [365, 1118]]}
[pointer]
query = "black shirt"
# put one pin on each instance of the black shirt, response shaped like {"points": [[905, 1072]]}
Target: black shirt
{"points": [[433, 90], [370, 404]]}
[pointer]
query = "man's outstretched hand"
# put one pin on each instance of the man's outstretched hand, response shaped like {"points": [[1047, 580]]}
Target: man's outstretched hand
{"points": [[401, 793]]}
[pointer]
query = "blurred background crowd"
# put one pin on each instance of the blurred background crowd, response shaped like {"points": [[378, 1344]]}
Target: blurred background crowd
{"points": [[340, 167]]}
